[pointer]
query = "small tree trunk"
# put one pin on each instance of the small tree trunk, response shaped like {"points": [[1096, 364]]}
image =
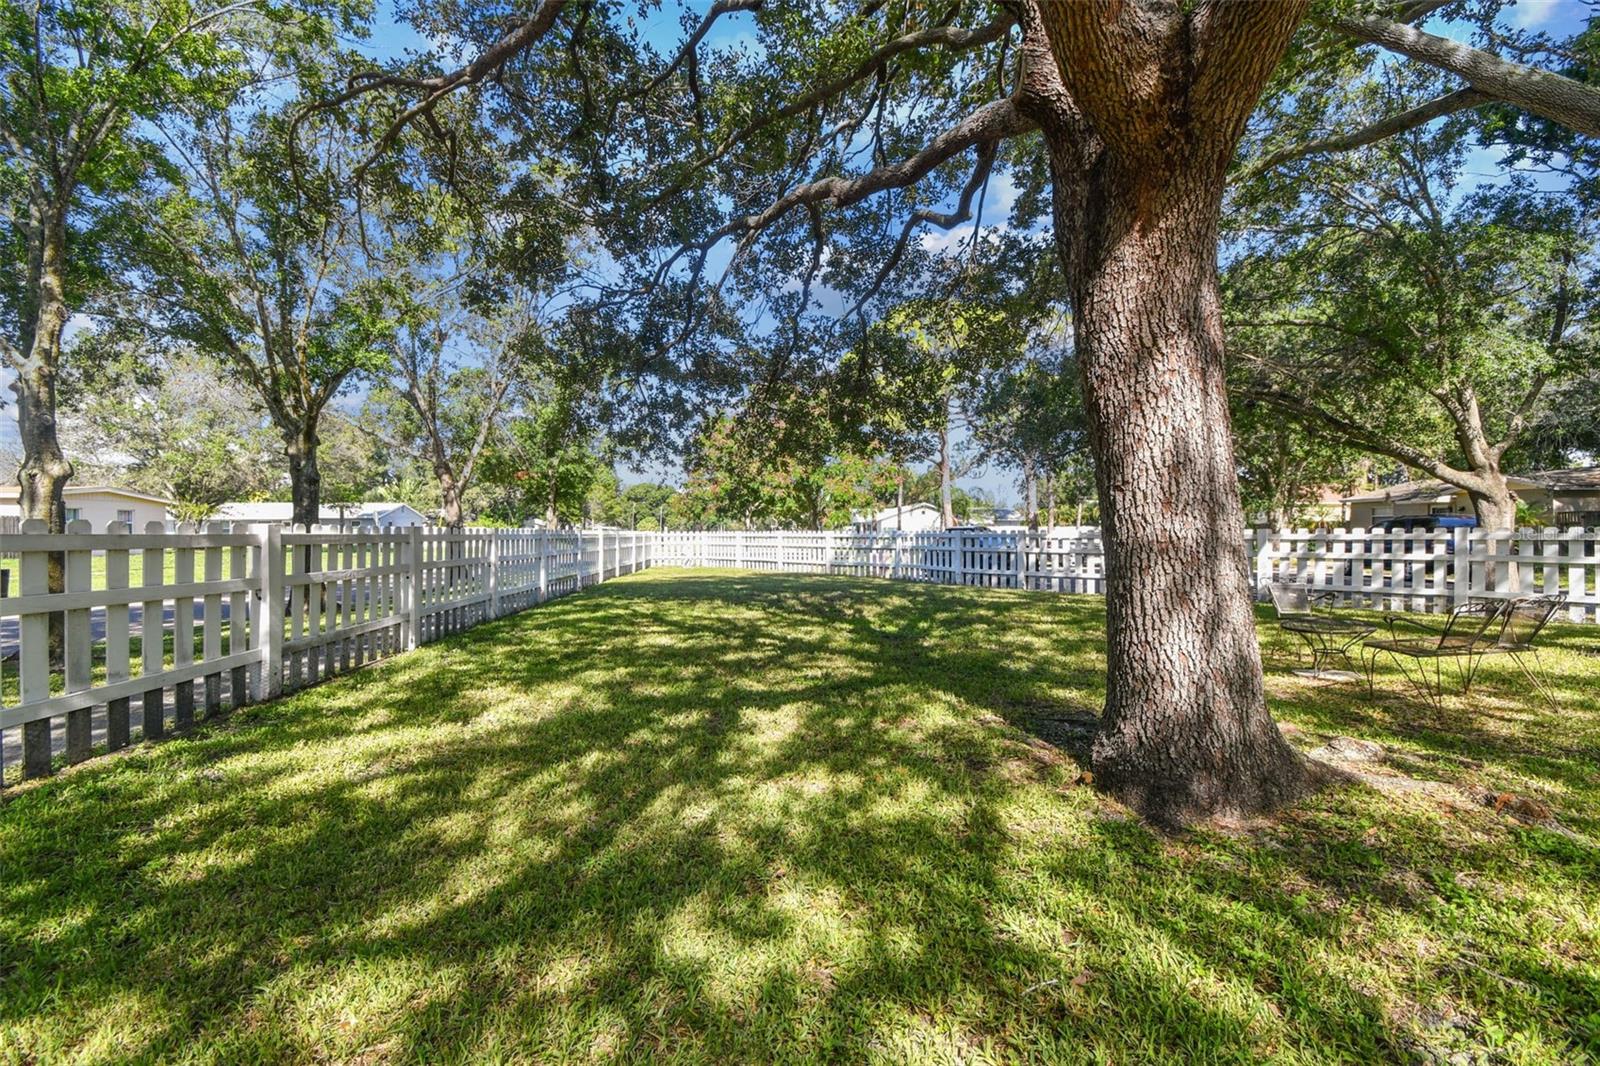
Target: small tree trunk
{"points": [[1494, 506], [42, 477], [1030, 493], [899, 502], [450, 495], [305, 480], [946, 495], [1050, 501]]}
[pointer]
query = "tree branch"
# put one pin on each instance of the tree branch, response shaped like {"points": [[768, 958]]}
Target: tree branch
{"points": [[718, 9], [1353, 432], [1551, 96], [518, 39], [954, 37], [1448, 104]]}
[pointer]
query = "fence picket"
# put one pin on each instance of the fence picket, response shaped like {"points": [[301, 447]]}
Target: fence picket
{"points": [[33, 666], [79, 665], [211, 624], [152, 635], [118, 641], [183, 637]]}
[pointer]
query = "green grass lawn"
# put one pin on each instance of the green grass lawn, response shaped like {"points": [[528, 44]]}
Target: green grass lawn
{"points": [[711, 816]]}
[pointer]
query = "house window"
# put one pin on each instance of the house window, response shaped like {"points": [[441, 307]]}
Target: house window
{"points": [[74, 513], [125, 516]]}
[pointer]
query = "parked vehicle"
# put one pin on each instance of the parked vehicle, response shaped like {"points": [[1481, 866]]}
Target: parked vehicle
{"points": [[1427, 523]]}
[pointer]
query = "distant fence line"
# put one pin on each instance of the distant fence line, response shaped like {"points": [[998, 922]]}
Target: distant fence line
{"points": [[248, 614], [1419, 571]]}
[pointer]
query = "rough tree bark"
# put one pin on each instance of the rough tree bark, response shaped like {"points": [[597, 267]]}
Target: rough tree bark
{"points": [[305, 480], [1141, 122], [44, 471]]}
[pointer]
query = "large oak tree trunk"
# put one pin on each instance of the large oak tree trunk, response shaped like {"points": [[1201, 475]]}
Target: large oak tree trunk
{"points": [[1186, 731], [1141, 107]]}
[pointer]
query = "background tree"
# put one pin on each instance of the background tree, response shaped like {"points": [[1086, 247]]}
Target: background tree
{"points": [[86, 83], [168, 423], [1286, 465], [1388, 309], [278, 270], [452, 374]]}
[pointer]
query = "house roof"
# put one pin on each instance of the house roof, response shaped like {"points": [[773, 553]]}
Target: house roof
{"points": [[282, 511], [10, 493], [1417, 491], [1577, 479]]}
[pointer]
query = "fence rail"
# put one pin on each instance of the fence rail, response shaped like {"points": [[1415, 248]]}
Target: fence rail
{"points": [[155, 630], [152, 631]]}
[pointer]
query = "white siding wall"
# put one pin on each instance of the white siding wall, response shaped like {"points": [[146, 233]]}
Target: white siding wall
{"points": [[98, 508]]}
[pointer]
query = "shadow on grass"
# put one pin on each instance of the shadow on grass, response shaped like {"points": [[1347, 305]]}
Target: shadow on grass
{"points": [[753, 817]]}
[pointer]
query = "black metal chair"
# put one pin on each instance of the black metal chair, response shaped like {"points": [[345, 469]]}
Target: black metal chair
{"points": [[1471, 632], [1327, 635], [1526, 618]]}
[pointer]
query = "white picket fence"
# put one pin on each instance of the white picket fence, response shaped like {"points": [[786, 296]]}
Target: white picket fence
{"points": [[1373, 568], [246, 614], [249, 614]]}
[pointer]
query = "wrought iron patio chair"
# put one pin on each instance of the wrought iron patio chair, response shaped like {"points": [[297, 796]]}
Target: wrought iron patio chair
{"points": [[1305, 613], [1296, 601], [1471, 632], [1525, 619]]}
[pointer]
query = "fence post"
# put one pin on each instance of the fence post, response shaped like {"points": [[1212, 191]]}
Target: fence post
{"points": [[959, 563], [544, 564], [494, 573], [827, 556], [413, 586], [269, 638], [1461, 570], [1263, 570], [1022, 559]]}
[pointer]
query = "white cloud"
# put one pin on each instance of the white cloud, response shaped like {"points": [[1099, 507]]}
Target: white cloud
{"points": [[1531, 14]]}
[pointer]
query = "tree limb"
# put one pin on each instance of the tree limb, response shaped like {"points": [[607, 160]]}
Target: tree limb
{"points": [[1448, 104], [1551, 96], [954, 37], [718, 9], [1362, 436]]}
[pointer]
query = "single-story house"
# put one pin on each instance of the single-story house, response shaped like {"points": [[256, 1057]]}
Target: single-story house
{"points": [[1566, 497], [97, 505], [912, 518], [349, 516]]}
